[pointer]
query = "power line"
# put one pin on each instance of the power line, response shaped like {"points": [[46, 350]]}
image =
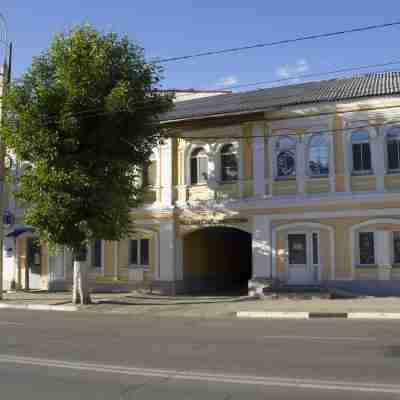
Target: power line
{"points": [[276, 43], [300, 76]]}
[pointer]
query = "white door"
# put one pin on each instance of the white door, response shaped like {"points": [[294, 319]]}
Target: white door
{"points": [[56, 265], [303, 258]]}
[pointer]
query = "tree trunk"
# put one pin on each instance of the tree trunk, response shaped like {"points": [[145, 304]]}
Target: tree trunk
{"points": [[80, 291]]}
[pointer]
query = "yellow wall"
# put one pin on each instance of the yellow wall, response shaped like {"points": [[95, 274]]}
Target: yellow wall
{"points": [[317, 185]]}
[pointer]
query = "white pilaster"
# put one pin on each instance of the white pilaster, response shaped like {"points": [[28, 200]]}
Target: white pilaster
{"points": [[258, 160], [300, 165], [166, 257], [166, 168], [383, 248], [262, 247], [378, 159], [383, 254], [348, 159], [332, 170], [240, 150]]}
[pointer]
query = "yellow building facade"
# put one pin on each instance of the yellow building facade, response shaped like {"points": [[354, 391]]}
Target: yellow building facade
{"points": [[298, 184]]}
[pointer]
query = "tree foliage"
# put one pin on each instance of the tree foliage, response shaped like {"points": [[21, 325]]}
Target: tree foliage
{"points": [[84, 119]]}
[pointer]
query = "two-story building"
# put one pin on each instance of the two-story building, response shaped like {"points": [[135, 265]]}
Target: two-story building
{"points": [[299, 184]]}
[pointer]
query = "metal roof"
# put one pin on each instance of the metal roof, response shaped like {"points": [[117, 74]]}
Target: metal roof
{"points": [[333, 90]]}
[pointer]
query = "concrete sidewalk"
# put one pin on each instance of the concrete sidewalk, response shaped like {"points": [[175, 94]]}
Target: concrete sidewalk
{"points": [[142, 304]]}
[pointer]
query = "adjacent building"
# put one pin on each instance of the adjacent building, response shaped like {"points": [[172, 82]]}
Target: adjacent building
{"points": [[299, 184]]}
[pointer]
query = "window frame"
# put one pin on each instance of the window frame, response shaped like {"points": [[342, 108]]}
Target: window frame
{"points": [[353, 142], [278, 151], [359, 249], [138, 254], [309, 172], [222, 154], [397, 140], [192, 157], [393, 248]]}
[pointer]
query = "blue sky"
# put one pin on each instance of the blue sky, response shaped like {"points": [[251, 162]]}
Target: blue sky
{"points": [[172, 28]]}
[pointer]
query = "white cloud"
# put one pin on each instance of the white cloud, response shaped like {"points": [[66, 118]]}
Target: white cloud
{"points": [[227, 81], [292, 71]]}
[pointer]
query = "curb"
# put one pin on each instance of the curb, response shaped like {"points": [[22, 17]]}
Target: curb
{"points": [[315, 315], [38, 307]]}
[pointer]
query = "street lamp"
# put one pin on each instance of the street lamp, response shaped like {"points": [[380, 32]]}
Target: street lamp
{"points": [[5, 80]]}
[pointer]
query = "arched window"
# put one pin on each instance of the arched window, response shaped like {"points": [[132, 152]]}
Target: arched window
{"points": [[318, 155], [198, 166], [285, 157], [393, 149], [361, 151], [229, 163]]}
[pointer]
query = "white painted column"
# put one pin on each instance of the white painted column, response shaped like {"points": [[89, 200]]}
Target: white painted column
{"points": [[262, 247], [258, 160], [332, 170], [166, 178], [383, 254], [378, 159], [300, 165], [166, 257], [240, 151], [348, 159]]}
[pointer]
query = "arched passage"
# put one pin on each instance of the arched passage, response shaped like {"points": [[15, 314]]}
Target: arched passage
{"points": [[217, 259]]}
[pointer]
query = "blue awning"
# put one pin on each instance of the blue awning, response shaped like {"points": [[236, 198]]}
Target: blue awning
{"points": [[19, 231]]}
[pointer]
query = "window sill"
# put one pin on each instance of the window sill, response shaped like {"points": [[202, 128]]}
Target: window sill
{"points": [[285, 178], [367, 266], [134, 266], [198, 184], [325, 176], [362, 173], [393, 172], [228, 182]]}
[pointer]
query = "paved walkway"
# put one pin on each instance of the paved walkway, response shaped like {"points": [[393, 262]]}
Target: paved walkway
{"points": [[142, 304]]}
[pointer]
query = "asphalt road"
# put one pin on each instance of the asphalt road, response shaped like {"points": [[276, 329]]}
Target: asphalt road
{"points": [[55, 355]]}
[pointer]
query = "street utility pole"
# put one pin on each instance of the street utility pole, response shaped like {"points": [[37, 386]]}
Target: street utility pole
{"points": [[5, 79]]}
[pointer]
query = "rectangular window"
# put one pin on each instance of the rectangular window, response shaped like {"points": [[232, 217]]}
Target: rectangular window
{"points": [[367, 249], [193, 171], [396, 247], [144, 252], [393, 150], [361, 157], [96, 254], [297, 249], [139, 252], [315, 248], [133, 252]]}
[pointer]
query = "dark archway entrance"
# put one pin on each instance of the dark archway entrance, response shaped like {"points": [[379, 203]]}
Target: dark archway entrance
{"points": [[217, 259]]}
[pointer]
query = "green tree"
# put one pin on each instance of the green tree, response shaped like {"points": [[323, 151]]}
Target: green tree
{"points": [[84, 119]]}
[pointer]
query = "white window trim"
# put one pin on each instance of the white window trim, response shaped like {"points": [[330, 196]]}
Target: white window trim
{"points": [[392, 247], [138, 266], [219, 162], [61, 250], [357, 247], [275, 139], [189, 151], [386, 155], [308, 172], [292, 227], [350, 151]]}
